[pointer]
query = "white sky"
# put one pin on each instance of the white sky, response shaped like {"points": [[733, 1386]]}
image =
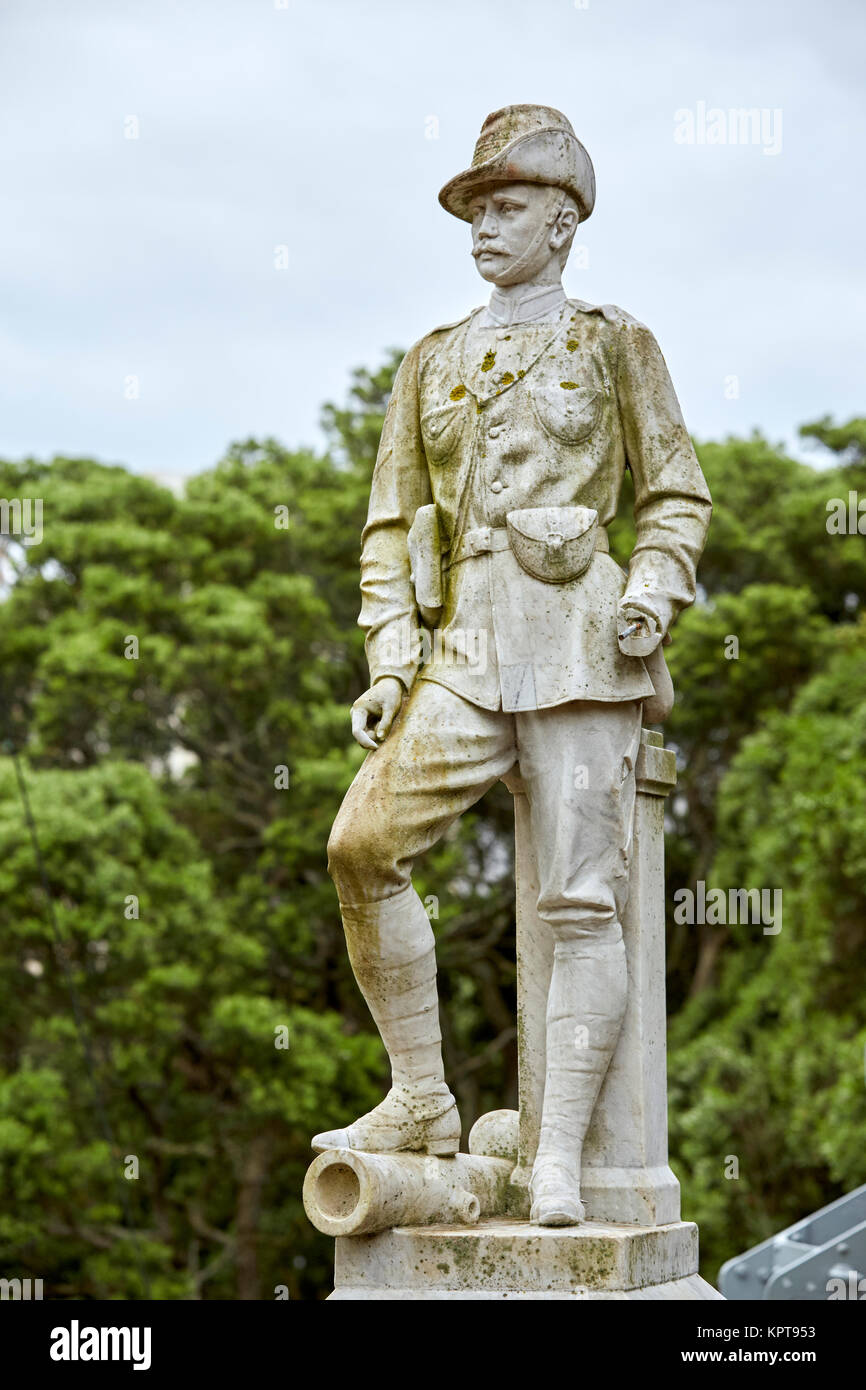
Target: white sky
{"points": [[306, 126]]}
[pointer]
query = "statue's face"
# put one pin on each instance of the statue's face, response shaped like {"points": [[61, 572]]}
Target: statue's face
{"points": [[506, 219]]}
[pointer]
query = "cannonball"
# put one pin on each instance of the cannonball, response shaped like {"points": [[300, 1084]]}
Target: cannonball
{"points": [[495, 1135]]}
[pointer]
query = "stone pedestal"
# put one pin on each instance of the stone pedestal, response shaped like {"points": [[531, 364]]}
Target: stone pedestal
{"points": [[633, 1244], [510, 1259], [625, 1175]]}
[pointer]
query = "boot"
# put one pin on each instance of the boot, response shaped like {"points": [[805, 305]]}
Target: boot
{"points": [[584, 1015], [392, 951]]}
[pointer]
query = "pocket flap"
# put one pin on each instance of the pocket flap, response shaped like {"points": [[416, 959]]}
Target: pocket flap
{"points": [[538, 523], [568, 411]]}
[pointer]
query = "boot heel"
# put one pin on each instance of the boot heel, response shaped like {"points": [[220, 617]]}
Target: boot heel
{"points": [[443, 1136], [442, 1148]]}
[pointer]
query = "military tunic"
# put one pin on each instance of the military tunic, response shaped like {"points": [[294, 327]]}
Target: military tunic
{"points": [[544, 413]]}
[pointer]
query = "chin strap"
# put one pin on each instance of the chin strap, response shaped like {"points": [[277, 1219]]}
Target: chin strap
{"points": [[516, 270]]}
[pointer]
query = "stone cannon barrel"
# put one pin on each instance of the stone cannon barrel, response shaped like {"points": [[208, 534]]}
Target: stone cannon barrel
{"points": [[347, 1193]]}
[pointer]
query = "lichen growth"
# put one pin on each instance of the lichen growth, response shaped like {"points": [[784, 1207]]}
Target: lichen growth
{"points": [[458, 393], [489, 359]]}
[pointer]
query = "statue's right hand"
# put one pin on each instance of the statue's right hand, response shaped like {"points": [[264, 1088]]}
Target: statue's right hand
{"points": [[380, 703]]}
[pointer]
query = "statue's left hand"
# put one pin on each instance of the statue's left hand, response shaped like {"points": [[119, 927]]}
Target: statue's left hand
{"points": [[380, 703], [637, 634]]}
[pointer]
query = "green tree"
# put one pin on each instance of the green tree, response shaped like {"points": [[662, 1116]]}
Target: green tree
{"points": [[768, 1066]]}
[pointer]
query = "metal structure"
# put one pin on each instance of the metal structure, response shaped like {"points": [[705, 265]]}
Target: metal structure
{"points": [[821, 1257]]}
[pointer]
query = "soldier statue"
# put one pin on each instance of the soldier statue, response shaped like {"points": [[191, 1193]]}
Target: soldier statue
{"points": [[500, 465]]}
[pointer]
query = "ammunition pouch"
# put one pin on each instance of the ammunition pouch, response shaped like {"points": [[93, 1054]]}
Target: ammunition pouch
{"points": [[555, 544]]}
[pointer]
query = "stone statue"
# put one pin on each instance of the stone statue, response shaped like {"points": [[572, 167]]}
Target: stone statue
{"points": [[499, 631]]}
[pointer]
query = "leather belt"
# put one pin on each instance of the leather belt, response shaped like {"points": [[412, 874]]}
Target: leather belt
{"points": [[484, 539]]}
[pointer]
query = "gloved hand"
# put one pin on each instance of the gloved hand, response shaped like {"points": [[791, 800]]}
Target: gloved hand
{"points": [[638, 633]]}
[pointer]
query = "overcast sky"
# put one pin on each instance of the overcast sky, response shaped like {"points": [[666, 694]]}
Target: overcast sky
{"points": [[328, 128]]}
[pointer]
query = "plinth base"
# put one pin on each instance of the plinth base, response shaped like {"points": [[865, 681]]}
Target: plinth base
{"points": [[502, 1258]]}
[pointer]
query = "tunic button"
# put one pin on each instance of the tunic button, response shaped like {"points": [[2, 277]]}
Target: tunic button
{"points": [[502, 334], [494, 431], [496, 486]]}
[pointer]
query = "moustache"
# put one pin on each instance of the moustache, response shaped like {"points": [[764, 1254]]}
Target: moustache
{"points": [[485, 246]]}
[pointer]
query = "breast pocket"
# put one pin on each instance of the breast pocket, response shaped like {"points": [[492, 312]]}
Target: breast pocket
{"points": [[442, 429], [568, 411]]}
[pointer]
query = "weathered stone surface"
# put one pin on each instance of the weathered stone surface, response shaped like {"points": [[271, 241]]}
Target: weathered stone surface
{"points": [[625, 1175], [496, 1134], [679, 1290], [502, 1258], [349, 1194]]}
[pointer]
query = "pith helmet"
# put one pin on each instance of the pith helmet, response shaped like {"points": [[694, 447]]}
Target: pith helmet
{"points": [[525, 144]]}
